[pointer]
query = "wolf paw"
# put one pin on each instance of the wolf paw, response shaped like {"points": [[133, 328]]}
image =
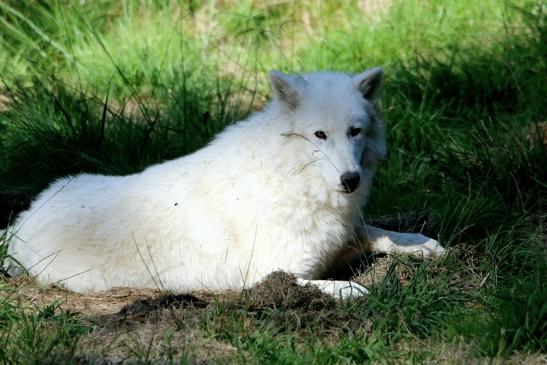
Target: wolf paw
{"points": [[433, 248], [419, 245]]}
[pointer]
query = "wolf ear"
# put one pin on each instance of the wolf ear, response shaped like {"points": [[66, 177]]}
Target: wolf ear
{"points": [[285, 88], [370, 82]]}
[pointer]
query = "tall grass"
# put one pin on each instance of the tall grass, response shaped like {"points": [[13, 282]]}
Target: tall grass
{"points": [[112, 87]]}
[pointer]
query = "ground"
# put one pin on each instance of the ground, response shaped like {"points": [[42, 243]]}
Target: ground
{"points": [[152, 325], [111, 87]]}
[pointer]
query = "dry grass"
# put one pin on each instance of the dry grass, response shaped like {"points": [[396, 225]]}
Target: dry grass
{"points": [[381, 267]]}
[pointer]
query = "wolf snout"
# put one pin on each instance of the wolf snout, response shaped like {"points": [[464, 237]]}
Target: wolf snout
{"points": [[350, 180]]}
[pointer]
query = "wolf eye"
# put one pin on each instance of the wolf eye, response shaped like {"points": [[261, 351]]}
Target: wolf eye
{"points": [[354, 131], [320, 135]]}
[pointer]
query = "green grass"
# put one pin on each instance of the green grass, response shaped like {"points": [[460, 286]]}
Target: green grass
{"points": [[112, 87]]}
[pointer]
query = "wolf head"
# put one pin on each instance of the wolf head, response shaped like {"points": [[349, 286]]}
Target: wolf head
{"points": [[335, 118]]}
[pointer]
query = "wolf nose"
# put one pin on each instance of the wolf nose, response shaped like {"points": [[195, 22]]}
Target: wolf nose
{"points": [[350, 180]]}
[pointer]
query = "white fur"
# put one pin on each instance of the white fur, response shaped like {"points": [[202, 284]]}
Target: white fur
{"points": [[264, 195]]}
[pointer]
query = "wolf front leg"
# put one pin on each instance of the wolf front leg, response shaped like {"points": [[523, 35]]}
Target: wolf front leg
{"points": [[380, 240], [372, 239]]}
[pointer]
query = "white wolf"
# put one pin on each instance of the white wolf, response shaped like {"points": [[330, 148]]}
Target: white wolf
{"points": [[281, 190]]}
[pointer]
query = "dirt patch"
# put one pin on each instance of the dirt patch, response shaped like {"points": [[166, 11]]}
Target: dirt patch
{"points": [[277, 290], [142, 307], [280, 290]]}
